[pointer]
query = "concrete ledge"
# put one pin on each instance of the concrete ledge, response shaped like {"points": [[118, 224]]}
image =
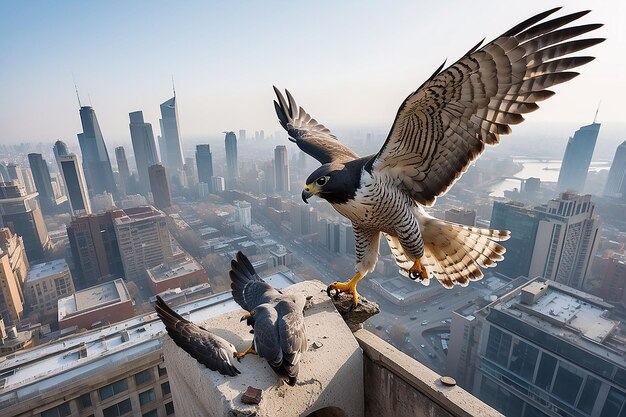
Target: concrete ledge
{"points": [[398, 385], [330, 381]]}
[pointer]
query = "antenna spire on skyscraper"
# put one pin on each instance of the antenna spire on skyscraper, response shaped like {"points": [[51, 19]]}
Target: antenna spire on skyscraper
{"points": [[76, 88], [173, 87], [597, 110]]}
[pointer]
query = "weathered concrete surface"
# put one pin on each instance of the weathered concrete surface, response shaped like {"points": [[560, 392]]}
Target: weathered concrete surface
{"points": [[330, 375], [355, 316], [398, 385]]}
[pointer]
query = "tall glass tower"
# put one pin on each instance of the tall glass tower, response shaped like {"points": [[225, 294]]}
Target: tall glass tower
{"points": [[232, 166], [281, 168], [169, 142], [144, 147], [95, 156], [616, 182], [43, 182], [577, 158], [204, 163], [122, 168]]}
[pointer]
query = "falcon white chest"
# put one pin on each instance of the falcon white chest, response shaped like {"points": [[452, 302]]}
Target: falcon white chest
{"points": [[378, 205]]}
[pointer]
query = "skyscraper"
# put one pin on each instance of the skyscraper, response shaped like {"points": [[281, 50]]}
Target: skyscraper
{"points": [[160, 187], [242, 135], [96, 162], [13, 271], [172, 155], [567, 237], [204, 162], [616, 182], [281, 168], [122, 168], [232, 166], [43, 182], [21, 213], [144, 148], [75, 184], [15, 174], [577, 158], [60, 148]]}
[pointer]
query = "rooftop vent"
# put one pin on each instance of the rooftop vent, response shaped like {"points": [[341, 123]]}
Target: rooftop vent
{"points": [[533, 291]]}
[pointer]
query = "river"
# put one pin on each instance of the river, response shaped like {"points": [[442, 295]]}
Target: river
{"points": [[547, 170]]}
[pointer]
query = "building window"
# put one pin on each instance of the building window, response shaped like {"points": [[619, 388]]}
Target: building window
{"points": [[147, 396], [498, 346], [165, 388], [523, 359], [118, 409], [169, 408], [589, 394], [143, 377], [567, 382], [112, 389], [152, 413], [62, 410], [614, 403], [84, 401], [546, 371], [162, 370]]}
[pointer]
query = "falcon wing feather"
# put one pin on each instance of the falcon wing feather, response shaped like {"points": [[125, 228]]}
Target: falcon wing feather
{"points": [[248, 288], [207, 348], [445, 124], [312, 137]]}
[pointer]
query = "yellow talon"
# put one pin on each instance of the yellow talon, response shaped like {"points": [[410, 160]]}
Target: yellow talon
{"points": [[349, 286], [241, 355], [418, 271]]}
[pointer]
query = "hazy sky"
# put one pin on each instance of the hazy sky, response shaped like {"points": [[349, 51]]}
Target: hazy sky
{"points": [[349, 63]]}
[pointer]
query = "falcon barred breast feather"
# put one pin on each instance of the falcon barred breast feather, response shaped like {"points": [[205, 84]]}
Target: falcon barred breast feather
{"points": [[276, 318], [438, 131]]}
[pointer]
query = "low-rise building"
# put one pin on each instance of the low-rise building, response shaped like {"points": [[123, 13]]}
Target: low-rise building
{"points": [[45, 284], [109, 302], [182, 272]]}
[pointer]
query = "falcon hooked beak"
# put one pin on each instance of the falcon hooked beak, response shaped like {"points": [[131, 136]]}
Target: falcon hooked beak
{"points": [[310, 190]]}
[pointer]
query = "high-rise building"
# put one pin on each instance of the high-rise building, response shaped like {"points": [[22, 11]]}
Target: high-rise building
{"points": [[577, 158], [522, 222], [29, 183], [122, 168], [190, 172], [94, 248], [242, 135], [542, 349], [281, 168], [15, 174], [21, 213], [60, 148], [232, 165], [567, 237], [4, 173], [616, 182], [218, 184], [143, 238], [170, 142], [13, 271], [144, 148], [96, 162], [43, 182], [45, 284], [243, 213], [204, 162], [160, 187], [610, 271], [461, 216], [75, 184], [102, 202]]}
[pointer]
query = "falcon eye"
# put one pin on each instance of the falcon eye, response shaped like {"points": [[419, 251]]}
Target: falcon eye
{"points": [[321, 181]]}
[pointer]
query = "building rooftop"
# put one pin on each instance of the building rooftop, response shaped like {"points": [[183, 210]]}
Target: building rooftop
{"points": [[34, 371], [92, 298], [46, 270], [577, 317], [129, 215], [174, 268]]}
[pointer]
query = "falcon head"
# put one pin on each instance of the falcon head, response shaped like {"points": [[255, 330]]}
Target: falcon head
{"points": [[334, 182]]}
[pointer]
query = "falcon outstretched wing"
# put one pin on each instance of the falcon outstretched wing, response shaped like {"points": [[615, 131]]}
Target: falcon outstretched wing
{"points": [[444, 125], [312, 137], [207, 348]]}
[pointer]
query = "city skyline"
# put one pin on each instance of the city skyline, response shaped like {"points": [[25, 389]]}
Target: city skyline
{"points": [[360, 88]]}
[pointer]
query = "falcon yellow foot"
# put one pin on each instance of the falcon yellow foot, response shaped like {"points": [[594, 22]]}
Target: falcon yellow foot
{"points": [[349, 286], [241, 355], [418, 271]]}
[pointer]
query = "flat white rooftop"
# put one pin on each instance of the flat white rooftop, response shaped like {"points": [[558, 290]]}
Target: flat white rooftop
{"points": [[92, 298], [44, 368], [173, 269], [46, 270]]}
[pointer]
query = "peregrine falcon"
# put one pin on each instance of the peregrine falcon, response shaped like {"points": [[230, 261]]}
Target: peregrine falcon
{"points": [[276, 318], [438, 131], [207, 348]]}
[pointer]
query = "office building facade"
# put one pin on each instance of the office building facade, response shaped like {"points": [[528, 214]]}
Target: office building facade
{"points": [[577, 158], [281, 169], [204, 163], [45, 284], [21, 213], [13, 271], [75, 184], [96, 162], [144, 148], [43, 182], [160, 186], [170, 141], [461, 216], [616, 182], [232, 164]]}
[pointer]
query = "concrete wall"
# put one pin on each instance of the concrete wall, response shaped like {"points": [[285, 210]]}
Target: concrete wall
{"points": [[397, 385]]}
